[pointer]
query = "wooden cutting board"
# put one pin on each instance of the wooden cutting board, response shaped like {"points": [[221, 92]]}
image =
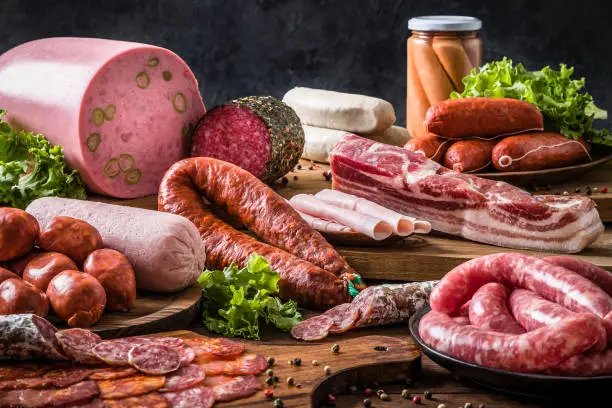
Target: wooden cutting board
{"points": [[357, 363]]}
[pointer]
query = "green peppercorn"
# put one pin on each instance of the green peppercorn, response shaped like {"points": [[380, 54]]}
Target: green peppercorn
{"points": [[270, 381], [327, 370], [270, 361], [405, 394], [367, 403], [276, 379], [385, 397], [379, 392], [427, 394], [441, 405], [290, 381], [297, 361], [468, 405], [290, 362], [353, 388], [315, 363], [278, 403], [335, 348], [269, 372]]}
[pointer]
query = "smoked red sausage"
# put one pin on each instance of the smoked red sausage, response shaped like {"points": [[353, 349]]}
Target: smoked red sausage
{"points": [[114, 271], [482, 118], [17, 296], [536, 151], [430, 145], [594, 273], [72, 237], [77, 298], [308, 265], [18, 233], [470, 155], [489, 310], [6, 274], [17, 265], [43, 267]]}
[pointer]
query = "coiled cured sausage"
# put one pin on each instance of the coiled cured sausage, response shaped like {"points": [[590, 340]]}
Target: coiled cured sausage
{"points": [[309, 267]]}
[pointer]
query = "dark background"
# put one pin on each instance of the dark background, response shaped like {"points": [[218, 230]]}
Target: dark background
{"points": [[253, 47]]}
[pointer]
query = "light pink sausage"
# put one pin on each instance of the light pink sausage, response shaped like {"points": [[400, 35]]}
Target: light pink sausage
{"points": [[594, 273], [534, 351], [489, 310], [587, 364]]}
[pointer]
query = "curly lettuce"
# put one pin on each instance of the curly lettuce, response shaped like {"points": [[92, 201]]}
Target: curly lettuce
{"points": [[566, 107], [31, 168]]}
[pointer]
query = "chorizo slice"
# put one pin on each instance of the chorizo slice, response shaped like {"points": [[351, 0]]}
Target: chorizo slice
{"points": [[242, 365], [151, 400], [112, 373], [219, 346], [130, 386]]}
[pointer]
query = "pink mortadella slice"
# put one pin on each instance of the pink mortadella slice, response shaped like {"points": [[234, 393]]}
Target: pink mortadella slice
{"points": [[403, 225], [370, 226], [122, 111], [323, 225]]}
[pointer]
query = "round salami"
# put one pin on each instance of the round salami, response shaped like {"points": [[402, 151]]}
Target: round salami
{"points": [[242, 365], [197, 397], [172, 342], [219, 346], [112, 373], [186, 354], [78, 344], [114, 352], [131, 386], [152, 400], [154, 359], [226, 388], [344, 317], [315, 328], [184, 377]]}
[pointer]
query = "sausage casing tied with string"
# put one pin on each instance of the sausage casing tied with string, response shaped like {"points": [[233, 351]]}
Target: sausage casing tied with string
{"points": [[309, 267]]}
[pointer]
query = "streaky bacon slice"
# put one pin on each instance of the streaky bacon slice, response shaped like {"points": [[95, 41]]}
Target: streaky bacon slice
{"points": [[478, 209]]}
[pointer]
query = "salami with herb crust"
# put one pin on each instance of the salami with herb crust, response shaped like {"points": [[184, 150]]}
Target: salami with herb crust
{"points": [[261, 134]]}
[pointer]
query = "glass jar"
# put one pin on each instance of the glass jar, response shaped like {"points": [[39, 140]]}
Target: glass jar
{"points": [[440, 52]]}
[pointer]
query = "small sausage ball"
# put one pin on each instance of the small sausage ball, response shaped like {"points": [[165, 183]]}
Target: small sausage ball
{"points": [[17, 265], [71, 237], [114, 271], [43, 267], [18, 233], [17, 296], [77, 298], [6, 274]]}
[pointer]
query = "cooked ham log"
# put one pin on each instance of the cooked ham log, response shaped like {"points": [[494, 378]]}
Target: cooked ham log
{"points": [[461, 204]]}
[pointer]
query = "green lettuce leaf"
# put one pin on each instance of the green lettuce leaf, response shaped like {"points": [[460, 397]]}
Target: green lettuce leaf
{"points": [[566, 107], [237, 300], [31, 168]]}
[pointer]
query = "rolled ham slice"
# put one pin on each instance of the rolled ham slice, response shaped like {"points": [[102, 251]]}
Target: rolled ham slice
{"points": [[370, 226], [323, 225], [403, 225]]}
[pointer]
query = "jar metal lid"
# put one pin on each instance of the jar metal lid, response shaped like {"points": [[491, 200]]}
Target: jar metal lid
{"points": [[444, 23]]}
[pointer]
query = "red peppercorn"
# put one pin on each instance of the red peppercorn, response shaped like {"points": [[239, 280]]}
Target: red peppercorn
{"points": [[269, 393], [295, 177], [416, 399], [367, 392], [331, 398], [603, 190]]}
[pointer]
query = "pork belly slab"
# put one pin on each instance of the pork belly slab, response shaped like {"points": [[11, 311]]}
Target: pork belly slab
{"points": [[478, 209]]}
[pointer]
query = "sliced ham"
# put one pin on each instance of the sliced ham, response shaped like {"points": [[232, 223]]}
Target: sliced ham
{"points": [[323, 225], [365, 224]]}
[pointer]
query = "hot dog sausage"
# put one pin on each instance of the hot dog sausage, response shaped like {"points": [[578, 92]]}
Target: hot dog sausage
{"points": [[470, 155], [18, 233], [77, 298], [6, 274], [308, 272], [42, 268], [17, 296], [71, 237], [594, 273], [114, 271], [482, 118], [430, 145], [533, 351], [536, 151], [489, 310]]}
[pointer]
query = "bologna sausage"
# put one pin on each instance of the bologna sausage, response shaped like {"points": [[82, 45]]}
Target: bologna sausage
{"points": [[19, 297], [482, 118], [594, 273], [310, 268], [72, 237], [430, 145], [536, 151], [470, 155], [43, 267], [533, 351], [18, 233], [489, 310], [114, 271], [77, 298]]}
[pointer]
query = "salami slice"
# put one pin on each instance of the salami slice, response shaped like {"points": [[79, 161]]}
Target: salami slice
{"points": [[315, 328], [114, 352], [242, 365], [184, 377], [152, 400], [186, 354], [226, 388], [13, 372], [197, 397], [112, 373], [79, 393], [78, 344], [219, 346], [154, 359], [172, 342], [344, 317], [28, 336], [131, 386]]}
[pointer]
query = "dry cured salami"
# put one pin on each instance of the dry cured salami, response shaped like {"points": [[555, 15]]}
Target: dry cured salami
{"points": [[79, 393], [344, 317], [186, 354], [28, 336], [315, 328], [227, 388], [131, 386], [241, 365], [112, 373], [172, 342], [114, 352], [152, 400], [154, 359], [184, 377], [78, 344], [197, 397], [220, 346]]}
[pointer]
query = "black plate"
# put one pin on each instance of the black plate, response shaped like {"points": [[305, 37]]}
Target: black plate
{"points": [[533, 385]]}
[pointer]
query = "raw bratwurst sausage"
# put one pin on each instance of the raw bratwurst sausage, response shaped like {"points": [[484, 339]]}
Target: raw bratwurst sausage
{"points": [[71, 237], [17, 297], [77, 298], [470, 155], [309, 272], [594, 273], [482, 118], [18, 233], [43, 267], [489, 310], [430, 145], [536, 151], [114, 271]]}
